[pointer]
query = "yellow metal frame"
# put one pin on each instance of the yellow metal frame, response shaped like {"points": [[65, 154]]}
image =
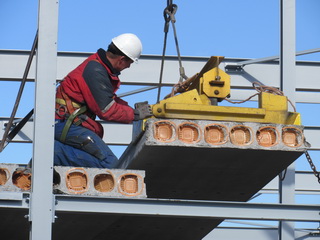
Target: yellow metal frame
{"points": [[211, 82]]}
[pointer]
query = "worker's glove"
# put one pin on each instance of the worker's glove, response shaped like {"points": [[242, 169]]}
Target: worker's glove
{"points": [[142, 110]]}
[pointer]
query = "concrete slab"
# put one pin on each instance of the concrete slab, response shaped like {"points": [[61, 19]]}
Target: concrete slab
{"points": [[209, 160], [185, 162], [100, 182], [78, 181]]}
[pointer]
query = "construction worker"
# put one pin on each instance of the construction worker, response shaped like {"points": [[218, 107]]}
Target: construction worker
{"points": [[89, 91]]}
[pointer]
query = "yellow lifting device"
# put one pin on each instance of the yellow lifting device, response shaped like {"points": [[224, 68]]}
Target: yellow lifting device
{"points": [[200, 94]]}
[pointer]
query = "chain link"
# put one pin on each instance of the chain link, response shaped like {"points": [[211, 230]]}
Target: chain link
{"points": [[313, 167]]}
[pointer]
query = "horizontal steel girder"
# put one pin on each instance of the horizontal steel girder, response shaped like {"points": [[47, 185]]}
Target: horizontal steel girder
{"points": [[13, 64], [173, 207]]}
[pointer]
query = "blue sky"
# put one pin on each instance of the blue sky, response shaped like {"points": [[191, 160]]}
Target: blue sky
{"points": [[230, 28]]}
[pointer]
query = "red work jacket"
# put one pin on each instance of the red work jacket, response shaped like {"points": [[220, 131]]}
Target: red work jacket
{"points": [[94, 84]]}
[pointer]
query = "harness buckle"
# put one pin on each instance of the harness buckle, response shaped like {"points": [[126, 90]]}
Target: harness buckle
{"points": [[61, 111]]}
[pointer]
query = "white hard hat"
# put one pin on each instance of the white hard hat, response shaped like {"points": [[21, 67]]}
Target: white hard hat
{"points": [[129, 44]]}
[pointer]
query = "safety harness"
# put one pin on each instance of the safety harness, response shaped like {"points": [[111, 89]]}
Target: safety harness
{"points": [[71, 111]]}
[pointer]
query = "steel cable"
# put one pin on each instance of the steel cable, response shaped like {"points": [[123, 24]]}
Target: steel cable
{"points": [[169, 16]]}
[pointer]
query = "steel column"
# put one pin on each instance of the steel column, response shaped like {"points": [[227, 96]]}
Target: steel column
{"points": [[288, 86], [41, 204]]}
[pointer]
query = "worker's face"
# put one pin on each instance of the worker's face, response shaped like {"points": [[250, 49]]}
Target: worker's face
{"points": [[123, 63]]}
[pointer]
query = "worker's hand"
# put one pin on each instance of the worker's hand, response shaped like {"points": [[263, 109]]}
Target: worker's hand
{"points": [[142, 110]]}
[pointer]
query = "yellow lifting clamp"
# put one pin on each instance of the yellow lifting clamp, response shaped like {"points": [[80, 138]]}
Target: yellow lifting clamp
{"points": [[212, 81], [200, 94]]}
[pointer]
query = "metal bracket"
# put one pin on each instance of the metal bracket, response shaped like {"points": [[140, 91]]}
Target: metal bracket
{"points": [[53, 209], [314, 234], [233, 68], [54, 203], [27, 199]]}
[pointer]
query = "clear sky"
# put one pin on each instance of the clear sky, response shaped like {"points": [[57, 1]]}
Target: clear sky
{"points": [[230, 28]]}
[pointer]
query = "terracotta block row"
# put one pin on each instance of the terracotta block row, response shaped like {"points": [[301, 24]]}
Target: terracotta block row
{"points": [[14, 178], [83, 181], [220, 133], [102, 182]]}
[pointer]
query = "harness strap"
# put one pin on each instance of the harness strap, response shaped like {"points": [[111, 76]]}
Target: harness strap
{"points": [[70, 120], [63, 102], [68, 101], [73, 109]]}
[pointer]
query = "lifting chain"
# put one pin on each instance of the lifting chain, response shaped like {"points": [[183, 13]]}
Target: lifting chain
{"points": [[313, 167], [169, 16]]}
